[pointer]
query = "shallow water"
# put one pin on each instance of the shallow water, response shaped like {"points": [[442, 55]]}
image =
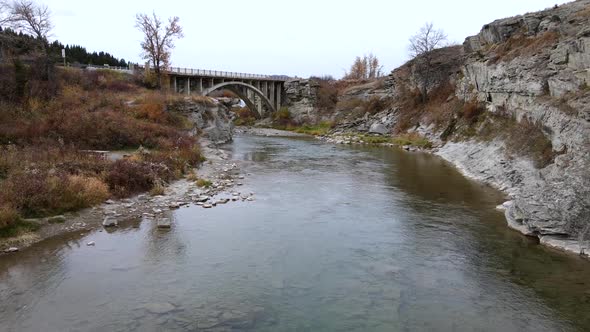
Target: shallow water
{"points": [[338, 239]]}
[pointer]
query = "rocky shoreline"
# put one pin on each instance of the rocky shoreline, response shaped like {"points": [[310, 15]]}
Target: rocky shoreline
{"points": [[223, 173]]}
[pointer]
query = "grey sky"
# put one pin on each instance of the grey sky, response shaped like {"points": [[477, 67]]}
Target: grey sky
{"points": [[303, 37]]}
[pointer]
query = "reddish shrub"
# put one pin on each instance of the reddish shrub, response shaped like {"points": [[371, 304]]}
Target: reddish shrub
{"points": [[125, 178]]}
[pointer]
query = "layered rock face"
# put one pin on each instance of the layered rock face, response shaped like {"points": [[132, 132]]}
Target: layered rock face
{"points": [[535, 67], [301, 98], [212, 119]]}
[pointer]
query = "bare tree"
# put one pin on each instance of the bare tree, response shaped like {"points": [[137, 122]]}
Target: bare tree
{"points": [[421, 46], [31, 18], [4, 12], [34, 19], [158, 40]]}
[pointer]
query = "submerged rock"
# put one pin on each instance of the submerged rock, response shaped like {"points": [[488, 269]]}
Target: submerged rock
{"points": [[110, 222], [160, 308], [164, 223]]}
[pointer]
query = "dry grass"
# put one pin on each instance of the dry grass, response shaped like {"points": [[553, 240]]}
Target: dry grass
{"points": [[202, 183], [158, 190], [527, 139], [412, 139], [584, 13], [519, 45], [8, 215]]}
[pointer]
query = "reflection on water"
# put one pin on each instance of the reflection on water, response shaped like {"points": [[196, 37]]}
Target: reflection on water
{"points": [[339, 239]]}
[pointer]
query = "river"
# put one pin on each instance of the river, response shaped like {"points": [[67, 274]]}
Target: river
{"points": [[338, 239]]}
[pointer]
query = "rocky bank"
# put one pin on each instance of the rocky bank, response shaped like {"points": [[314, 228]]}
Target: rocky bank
{"points": [[533, 68]]}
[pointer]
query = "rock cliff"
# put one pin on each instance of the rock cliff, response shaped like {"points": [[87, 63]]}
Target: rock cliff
{"points": [[210, 117]]}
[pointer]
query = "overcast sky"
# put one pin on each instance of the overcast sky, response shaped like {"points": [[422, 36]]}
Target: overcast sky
{"points": [[301, 37]]}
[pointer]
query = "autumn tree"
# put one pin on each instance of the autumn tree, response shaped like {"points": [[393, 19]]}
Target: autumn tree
{"points": [[158, 40], [366, 67], [421, 49]]}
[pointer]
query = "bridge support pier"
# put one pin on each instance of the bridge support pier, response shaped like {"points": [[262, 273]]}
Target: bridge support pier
{"points": [[200, 86], [279, 95], [188, 86], [272, 98], [265, 88]]}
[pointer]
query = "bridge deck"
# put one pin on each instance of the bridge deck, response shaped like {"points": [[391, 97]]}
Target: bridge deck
{"points": [[224, 74]]}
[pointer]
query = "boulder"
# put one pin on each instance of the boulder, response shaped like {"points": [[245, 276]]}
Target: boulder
{"points": [[110, 222], [378, 128], [164, 223]]}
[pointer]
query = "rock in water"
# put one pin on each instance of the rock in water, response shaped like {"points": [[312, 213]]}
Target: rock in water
{"points": [[160, 308], [91, 244], [164, 223], [109, 222], [11, 249]]}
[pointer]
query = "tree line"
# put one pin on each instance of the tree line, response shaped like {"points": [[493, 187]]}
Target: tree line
{"points": [[19, 43]]}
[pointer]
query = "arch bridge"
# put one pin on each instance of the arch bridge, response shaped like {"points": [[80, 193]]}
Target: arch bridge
{"points": [[262, 93]]}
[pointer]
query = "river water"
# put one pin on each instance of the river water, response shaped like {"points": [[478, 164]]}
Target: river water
{"points": [[338, 239]]}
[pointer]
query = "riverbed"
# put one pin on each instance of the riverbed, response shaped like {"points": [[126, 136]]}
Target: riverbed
{"points": [[339, 238]]}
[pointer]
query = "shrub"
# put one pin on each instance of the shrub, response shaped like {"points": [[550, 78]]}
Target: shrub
{"points": [[28, 192], [376, 104], [245, 117], [125, 178], [327, 95], [202, 183], [282, 117], [158, 190], [8, 216], [89, 190], [472, 110]]}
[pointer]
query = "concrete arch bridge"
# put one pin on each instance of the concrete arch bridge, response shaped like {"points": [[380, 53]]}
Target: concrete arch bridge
{"points": [[263, 94]]}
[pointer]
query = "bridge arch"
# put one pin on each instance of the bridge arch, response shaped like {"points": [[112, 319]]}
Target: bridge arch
{"points": [[239, 88]]}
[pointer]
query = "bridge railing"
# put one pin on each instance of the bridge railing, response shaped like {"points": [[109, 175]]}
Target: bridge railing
{"points": [[224, 74], [199, 72]]}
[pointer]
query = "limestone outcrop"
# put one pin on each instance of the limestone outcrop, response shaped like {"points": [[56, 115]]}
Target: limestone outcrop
{"points": [[210, 117], [301, 98]]}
